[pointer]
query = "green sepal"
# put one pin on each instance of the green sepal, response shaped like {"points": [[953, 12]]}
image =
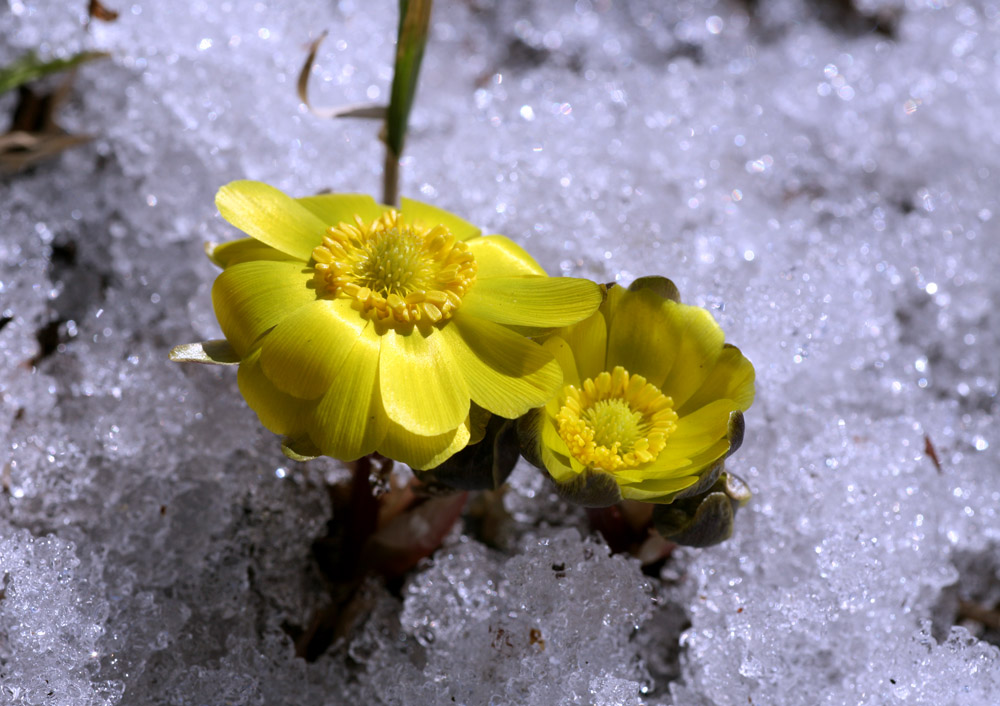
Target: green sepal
{"points": [[737, 428], [699, 522], [705, 519], [660, 285], [591, 489], [529, 437], [301, 449], [215, 352], [704, 484], [482, 466]]}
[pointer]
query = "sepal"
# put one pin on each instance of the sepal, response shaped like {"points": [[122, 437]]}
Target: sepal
{"points": [[482, 466], [705, 519], [215, 352], [301, 449], [660, 285], [591, 489]]}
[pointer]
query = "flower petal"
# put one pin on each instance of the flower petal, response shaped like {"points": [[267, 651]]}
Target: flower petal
{"points": [[252, 297], [696, 464], [498, 256], [429, 216], [309, 348], [589, 342], [349, 421], [551, 438], [731, 378], [559, 466], [334, 209], [709, 422], [280, 413], [561, 351], [422, 452], [698, 349], [652, 491], [644, 337], [506, 373], [542, 302], [423, 389], [244, 250], [270, 216]]}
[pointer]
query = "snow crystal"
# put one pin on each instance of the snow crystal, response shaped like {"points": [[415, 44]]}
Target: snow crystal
{"points": [[821, 176]]}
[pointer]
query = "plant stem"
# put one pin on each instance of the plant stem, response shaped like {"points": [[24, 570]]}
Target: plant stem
{"points": [[390, 178]]}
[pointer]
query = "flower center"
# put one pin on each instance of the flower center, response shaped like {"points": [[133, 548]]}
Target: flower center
{"points": [[394, 270], [616, 421]]}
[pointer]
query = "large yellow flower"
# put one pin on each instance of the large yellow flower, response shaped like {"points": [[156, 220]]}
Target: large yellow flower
{"points": [[362, 328], [652, 402]]}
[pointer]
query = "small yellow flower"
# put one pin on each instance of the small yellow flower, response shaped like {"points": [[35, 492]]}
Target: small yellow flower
{"points": [[360, 328], [652, 402]]}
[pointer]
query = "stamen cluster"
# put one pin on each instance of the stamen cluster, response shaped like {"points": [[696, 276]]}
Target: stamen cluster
{"points": [[395, 271], [616, 421]]}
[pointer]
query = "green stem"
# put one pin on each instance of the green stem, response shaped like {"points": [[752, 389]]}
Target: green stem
{"points": [[414, 25], [390, 178]]}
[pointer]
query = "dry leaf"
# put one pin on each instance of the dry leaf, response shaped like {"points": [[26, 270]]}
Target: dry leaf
{"points": [[348, 111], [98, 11]]}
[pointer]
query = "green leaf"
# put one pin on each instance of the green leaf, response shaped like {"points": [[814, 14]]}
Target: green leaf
{"points": [[414, 24], [30, 68]]}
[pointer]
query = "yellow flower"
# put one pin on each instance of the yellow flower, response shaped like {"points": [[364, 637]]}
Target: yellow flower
{"points": [[360, 328], [652, 402]]}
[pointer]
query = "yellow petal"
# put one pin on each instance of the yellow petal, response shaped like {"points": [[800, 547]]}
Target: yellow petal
{"points": [[506, 373], [349, 421], [310, 347], [422, 452], [270, 216], [612, 301], [422, 387], [560, 350], [669, 464], [280, 413], [652, 491], [644, 337], [699, 345], [497, 256], [731, 378], [532, 301], [560, 467], [589, 341], [252, 297], [244, 250], [479, 418], [551, 438], [428, 216], [705, 426], [334, 209]]}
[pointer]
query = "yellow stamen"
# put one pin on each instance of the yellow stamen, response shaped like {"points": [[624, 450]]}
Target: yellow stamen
{"points": [[396, 272], [615, 421]]}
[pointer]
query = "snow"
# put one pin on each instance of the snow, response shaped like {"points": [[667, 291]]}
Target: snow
{"points": [[823, 180]]}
